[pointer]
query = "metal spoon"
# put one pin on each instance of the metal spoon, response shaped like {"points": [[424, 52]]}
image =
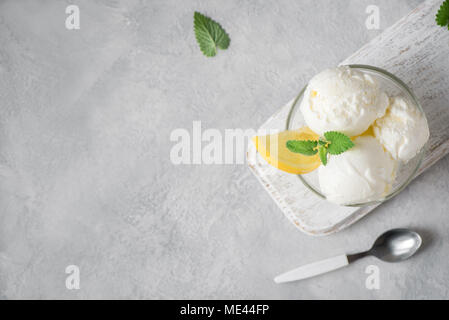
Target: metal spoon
{"points": [[393, 246]]}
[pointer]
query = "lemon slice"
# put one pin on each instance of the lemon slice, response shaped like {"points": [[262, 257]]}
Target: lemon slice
{"points": [[274, 150]]}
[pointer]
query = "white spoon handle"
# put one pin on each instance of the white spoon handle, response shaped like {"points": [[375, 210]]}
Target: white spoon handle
{"points": [[313, 269]]}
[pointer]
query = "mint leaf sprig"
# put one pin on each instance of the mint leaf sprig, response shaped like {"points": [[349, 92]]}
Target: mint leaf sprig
{"points": [[442, 16], [333, 142], [305, 147], [209, 34]]}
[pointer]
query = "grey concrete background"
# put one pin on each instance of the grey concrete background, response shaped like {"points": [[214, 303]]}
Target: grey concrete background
{"points": [[85, 174]]}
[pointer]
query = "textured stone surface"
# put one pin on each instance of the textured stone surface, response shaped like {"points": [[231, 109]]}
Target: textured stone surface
{"points": [[85, 173]]}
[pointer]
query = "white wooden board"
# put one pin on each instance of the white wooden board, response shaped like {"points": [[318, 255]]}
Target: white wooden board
{"points": [[416, 50]]}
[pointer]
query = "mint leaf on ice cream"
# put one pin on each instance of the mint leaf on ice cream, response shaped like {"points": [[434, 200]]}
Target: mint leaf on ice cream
{"points": [[305, 147], [322, 150], [338, 142], [335, 143]]}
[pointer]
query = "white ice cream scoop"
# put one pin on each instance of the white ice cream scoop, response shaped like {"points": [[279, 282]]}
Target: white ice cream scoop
{"points": [[403, 130], [364, 173], [342, 99]]}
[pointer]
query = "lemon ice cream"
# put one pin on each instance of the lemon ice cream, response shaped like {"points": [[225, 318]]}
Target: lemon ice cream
{"points": [[403, 130], [345, 104], [364, 173], [342, 99]]}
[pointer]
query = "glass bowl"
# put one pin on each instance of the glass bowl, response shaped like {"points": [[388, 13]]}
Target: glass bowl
{"points": [[393, 86]]}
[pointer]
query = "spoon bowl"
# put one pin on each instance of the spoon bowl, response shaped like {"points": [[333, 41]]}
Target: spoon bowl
{"points": [[396, 245]]}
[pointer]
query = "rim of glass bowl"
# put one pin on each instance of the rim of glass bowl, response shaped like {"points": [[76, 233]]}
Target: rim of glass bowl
{"points": [[420, 156]]}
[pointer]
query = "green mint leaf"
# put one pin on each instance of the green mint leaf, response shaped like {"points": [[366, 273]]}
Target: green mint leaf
{"points": [[322, 142], [209, 35], [442, 16], [322, 151], [338, 142], [305, 147]]}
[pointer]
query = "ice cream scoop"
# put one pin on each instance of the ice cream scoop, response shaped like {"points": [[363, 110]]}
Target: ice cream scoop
{"points": [[364, 173], [403, 130], [342, 99]]}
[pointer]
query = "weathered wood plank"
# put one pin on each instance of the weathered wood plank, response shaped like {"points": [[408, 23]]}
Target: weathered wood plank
{"points": [[417, 51]]}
